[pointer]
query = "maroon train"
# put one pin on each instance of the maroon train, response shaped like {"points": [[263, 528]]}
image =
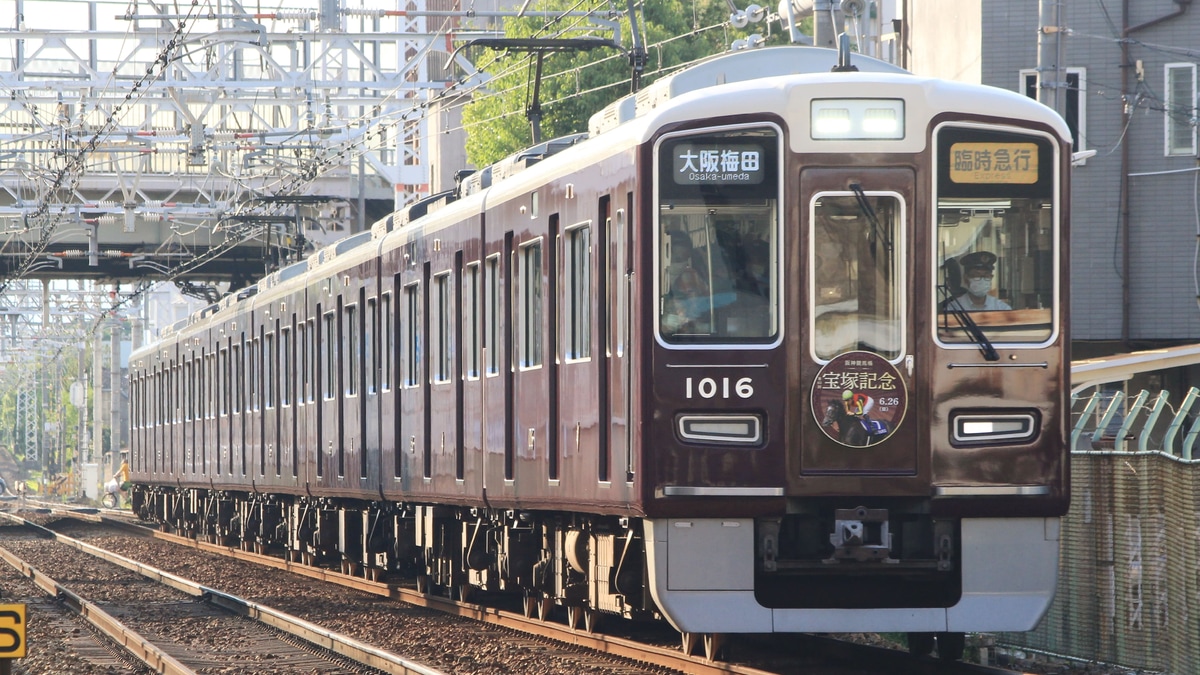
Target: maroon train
{"points": [[770, 349]]}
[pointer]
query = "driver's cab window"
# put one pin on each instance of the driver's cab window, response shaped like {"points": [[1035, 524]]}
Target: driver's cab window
{"points": [[996, 236], [718, 237]]}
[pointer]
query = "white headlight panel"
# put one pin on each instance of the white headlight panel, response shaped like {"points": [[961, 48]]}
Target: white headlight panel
{"points": [[854, 119]]}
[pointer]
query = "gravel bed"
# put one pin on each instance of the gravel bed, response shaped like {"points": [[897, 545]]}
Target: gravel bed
{"points": [[451, 644]]}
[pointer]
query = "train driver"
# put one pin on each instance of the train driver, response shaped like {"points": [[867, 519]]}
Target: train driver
{"points": [[978, 270], [686, 302]]}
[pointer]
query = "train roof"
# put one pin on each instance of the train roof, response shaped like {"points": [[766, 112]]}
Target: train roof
{"points": [[729, 68]]}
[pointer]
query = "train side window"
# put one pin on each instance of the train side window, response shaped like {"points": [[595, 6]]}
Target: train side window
{"points": [[856, 274], [412, 333], [441, 323], [529, 326], [471, 321], [491, 337], [578, 280]]}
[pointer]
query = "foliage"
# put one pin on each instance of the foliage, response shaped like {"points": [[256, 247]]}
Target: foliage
{"points": [[675, 33]]}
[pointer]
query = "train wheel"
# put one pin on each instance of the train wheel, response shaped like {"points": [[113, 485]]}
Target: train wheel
{"points": [[715, 646], [591, 620], [463, 592], [920, 644], [529, 606], [423, 584], [574, 614], [545, 604], [691, 641], [951, 646]]}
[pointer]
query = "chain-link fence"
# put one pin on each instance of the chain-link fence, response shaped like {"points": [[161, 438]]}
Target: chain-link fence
{"points": [[1129, 576]]}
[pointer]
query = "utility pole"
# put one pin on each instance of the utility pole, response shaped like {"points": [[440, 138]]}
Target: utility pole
{"points": [[824, 32], [1051, 80]]}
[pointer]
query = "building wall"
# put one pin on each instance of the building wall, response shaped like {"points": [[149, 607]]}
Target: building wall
{"points": [[944, 38], [1163, 217]]}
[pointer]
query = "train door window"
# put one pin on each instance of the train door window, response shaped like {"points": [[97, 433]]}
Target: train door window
{"points": [[386, 342], [471, 314], [286, 367], [491, 337], [310, 361], [412, 333], [529, 325], [238, 380], [253, 370], [328, 367], [269, 372], [997, 235], [857, 281], [618, 281], [223, 383], [187, 386], [718, 234], [441, 323], [578, 273], [353, 349], [370, 335]]}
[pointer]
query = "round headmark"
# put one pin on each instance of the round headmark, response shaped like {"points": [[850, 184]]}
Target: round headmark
{"points": [[859, 399]]}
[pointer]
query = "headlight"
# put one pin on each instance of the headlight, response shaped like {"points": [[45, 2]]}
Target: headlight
{"points": [[985, 427], [853, 119], [739, 429]]}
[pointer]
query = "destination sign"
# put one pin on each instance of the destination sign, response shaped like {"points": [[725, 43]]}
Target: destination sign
{"points": [[995, 163], [719, 164]]}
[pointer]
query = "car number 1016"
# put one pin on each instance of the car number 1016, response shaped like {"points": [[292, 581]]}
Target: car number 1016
{"points": [[711, 387]]}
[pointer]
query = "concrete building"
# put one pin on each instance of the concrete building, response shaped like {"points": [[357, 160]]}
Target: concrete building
{"points": [[1128, 82]]}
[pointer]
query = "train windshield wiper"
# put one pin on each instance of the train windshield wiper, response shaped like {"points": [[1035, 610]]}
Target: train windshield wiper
{"points": [[950, 306], [865, 207]]}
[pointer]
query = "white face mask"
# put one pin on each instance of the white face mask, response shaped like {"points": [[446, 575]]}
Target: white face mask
{"points": [[979, 287]]}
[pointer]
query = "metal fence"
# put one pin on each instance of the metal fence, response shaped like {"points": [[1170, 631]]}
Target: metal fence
{"points": [[1129, 575]]}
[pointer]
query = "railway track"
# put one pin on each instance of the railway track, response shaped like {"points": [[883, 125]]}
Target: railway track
{"points": [[508, 642], [145, 618]]}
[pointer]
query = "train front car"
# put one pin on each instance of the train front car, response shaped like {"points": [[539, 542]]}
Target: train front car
{"points": [[857, 357]]}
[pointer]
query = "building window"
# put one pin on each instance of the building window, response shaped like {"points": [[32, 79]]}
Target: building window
{"points": [[1180, 118], [1074, 101]]}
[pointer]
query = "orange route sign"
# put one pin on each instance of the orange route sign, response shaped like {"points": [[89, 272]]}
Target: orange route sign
{"points": [[12, 631]]}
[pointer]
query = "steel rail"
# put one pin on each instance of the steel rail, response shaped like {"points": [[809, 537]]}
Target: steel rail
{"points": [[315, 635], [141, 648], [613, 646]]}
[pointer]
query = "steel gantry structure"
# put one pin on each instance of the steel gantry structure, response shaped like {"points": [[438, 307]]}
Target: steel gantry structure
{"points": [[136, 138]]}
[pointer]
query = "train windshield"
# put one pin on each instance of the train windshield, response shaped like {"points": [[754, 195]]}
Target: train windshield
{"points": [[996, 237], [718, 237], [857, 283]]}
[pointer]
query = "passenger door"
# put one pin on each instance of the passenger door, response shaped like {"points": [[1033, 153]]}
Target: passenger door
{"points": [[857, 364]]}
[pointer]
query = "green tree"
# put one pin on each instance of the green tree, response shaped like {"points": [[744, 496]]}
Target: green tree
{"points": [[579, 83]]}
